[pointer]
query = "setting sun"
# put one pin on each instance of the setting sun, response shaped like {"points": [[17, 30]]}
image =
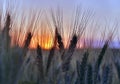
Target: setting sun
{"points": [[45, 41]]}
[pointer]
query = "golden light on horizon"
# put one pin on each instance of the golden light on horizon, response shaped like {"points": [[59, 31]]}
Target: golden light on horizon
{"points": [[45, 41]]}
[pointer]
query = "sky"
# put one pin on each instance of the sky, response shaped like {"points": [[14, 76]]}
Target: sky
{"points": [[107, 12], [111, 6]]}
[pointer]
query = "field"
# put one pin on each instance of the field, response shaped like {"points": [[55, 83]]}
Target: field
{"points": [[59, 64]]}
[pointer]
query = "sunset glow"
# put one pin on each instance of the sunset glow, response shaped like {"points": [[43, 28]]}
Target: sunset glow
{"points": [[45, 41], [42, 24]]}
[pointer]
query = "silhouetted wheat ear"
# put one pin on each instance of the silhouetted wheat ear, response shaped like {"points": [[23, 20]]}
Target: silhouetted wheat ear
{"points": [[50, 57], [66, 57], [98, 62], [102, 53], [40, 61], [5, 33], [106, 75], [28, 40], [81, 68], [8, 20], [59, 40], [89, 76], [71, 48], [73, 42]]}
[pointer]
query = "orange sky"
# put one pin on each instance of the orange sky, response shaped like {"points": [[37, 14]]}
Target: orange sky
{"points": [[45, 41]]}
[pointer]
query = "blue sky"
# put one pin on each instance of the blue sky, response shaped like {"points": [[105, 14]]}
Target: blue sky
{"points": [[111, 5], [105, 6]]}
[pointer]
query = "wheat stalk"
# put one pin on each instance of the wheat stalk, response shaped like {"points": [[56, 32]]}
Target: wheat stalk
{"points": [[81, 69], [89, 76], [66, 57], [39, 60], [107, 75], [98, 62]]}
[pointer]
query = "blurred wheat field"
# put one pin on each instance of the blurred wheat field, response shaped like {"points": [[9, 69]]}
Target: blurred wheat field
{"points": [[60, 60]]}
